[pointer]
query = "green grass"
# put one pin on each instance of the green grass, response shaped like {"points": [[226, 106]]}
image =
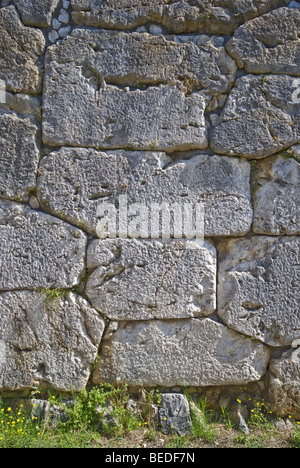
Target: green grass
{"points": [[102, 417]]}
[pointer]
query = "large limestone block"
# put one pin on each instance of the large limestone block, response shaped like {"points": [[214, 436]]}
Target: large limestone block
{"points": [[77, 183], [19, 156], [137, 59], [211, 16], [142, 280], [116, 14], [21, 49], [38, 250], [258, 288], [261, 117], [269, 44], [47, 342], [277, 196], [36, 13], [161, 118], [195, 352], [132, 90], [284, 384]]}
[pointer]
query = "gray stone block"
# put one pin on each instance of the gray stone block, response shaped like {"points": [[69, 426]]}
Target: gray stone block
{"points": [[277, 196], [21, 49], [143, 280], [38, 250], [258, 288], [193, 352], [47, 342], [269, 44], [77, 182], [260, 118], [19, 157]]}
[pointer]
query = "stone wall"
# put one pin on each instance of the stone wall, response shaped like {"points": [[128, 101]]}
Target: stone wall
{"points": [[155, 101]]}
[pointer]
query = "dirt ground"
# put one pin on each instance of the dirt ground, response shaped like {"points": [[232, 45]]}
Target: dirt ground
{"points": [[225, 438]]}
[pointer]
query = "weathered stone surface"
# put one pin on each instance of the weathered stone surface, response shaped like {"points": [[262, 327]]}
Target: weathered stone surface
{"points": [[261, 117], [47, 342], [277, 196], [284, 384], [38, 250], [214, 16], [196, 352], [143, 280], [77, 182], [174, 413], [124, 14], [158, 117], [24, 105], [269, 44], [211, 16], [200, 62], [19, 157], [35, 13], [167, 113], [259, 288], [21, 47]]}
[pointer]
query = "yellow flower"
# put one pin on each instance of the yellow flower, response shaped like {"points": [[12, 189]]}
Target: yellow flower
{"points": [[165, 419], [9, 409]]}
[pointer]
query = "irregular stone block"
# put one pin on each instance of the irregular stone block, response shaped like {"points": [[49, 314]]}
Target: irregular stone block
{"points": [[38, 250], [277, 196], [35, 13], [213, 16], [47, 342], [19, 157], [259, 288], [261, 117], [21, 48], [77, 183], [114, 118], [195, 352], [124, 14], [142, 280], [167, 113], [174, 412], [269, 44], [284, 384], [200, 62]]}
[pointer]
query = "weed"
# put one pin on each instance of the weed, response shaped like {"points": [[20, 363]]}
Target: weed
{"points": [[295, 442], [202, 421]]}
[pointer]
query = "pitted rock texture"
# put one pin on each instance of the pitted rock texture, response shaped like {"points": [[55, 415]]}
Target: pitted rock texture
{"points": [[176, 81], [269, 44], [143, 280], [283, 385], [200, 62], [194, 352], [277, 196], [36, 13], [77, 183], [258, 280], [21, 49], [19, 157], [38, 250], [260, 118], [50, 342], [210, 16]]}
